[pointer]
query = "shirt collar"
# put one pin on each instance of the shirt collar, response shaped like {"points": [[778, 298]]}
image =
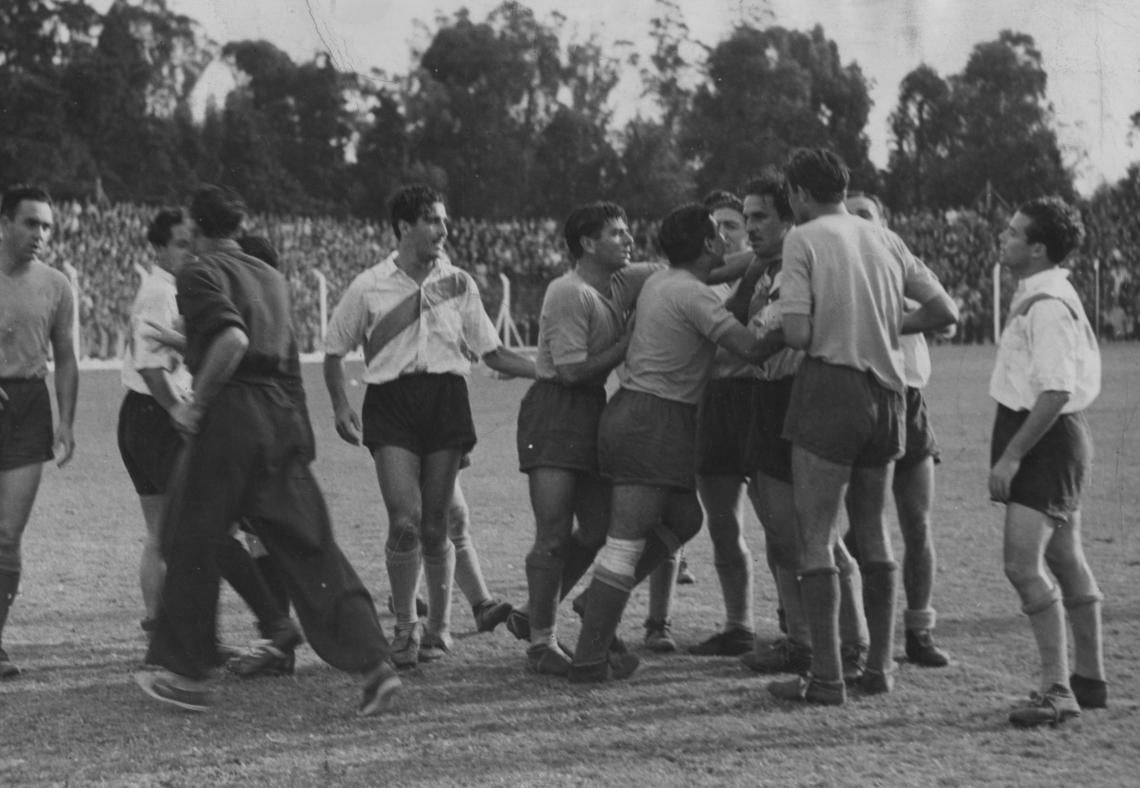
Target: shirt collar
{"points": [[389, 268], [162, 274], [1042, 281], [207, 245]]}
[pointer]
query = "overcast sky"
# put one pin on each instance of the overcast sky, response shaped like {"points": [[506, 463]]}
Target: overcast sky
{"points": [[1090, 47]]}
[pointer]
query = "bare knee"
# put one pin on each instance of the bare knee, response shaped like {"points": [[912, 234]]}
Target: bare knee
{"points": [[404, 531], [458, 520]]}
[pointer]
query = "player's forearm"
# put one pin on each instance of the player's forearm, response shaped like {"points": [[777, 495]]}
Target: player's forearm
{"points": [[741, 298], [935, 314], [593, 367], [508, 362], [334, 381], [67, 386], [1043, 415], [158, 382], [219, 364]]}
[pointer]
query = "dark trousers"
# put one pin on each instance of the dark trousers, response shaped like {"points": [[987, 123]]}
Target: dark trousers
{"points": [[251, 459]]}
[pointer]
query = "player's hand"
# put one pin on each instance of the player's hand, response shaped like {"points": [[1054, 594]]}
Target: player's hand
{"points": [[3, 398], [165, 336], [1001, 477], [64, 444], [348, 427], [187, 417]]}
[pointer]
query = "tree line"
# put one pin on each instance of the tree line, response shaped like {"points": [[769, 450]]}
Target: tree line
{"points": [[510, 116]]}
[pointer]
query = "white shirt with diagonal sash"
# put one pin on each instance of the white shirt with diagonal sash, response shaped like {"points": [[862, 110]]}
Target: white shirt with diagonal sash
{"points": [[1047, 345], [438, 327]]}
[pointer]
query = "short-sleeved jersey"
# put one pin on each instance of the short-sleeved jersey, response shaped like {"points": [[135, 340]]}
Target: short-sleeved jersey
{"points": [[406, 328], [851, 276], [916, 360], [577, 321], [224, 288], [35, 305], [1047, 345], [156, 302], [678, 322]]}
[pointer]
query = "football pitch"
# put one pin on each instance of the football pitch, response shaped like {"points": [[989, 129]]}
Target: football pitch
{"points": [[75, 717]]}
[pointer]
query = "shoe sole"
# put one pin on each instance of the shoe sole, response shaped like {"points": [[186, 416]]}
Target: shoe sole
{"points": [[147, 681], [1065, 716], [383, 700]]}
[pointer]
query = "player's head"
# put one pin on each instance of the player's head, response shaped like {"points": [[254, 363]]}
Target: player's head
{"points": [[1041, 235], [866, 206], [767, 213], [411, 204], [260, 247], [169, 234], [217, 211], [419, 220], [601, 230], [815, 175], [25, 222], [687, 234], [728, 213]]}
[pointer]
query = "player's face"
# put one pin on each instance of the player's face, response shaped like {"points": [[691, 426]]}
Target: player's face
{"points": [[865, 208], [1017, 254], [715, 243], [613, 244], [26, 234], [730, 222], [174, 255], [766, 229], [429, 234]]}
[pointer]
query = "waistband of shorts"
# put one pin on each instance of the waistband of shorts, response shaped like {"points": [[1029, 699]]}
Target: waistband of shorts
{"points": [[584, 388], [18, 381]]}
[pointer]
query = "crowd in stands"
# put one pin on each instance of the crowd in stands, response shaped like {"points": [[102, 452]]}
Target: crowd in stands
{"points": [[106, 247]]}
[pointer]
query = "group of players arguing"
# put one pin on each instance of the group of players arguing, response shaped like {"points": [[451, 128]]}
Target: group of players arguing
{"points": [[779, 351]]}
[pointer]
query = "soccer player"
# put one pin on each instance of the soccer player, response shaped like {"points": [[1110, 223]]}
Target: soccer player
{"points": [[912, 485], [1046, 374], [582, 337], [842, 290], [769, 217], [156, 380], [35, 316], [724, 466], [248, 455], [420, 320], [647, 434]]}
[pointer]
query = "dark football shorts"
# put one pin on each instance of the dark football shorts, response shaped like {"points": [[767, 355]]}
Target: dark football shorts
{"points": [[770, 451], [724, 427], [421, 413], [844, 415], [558, 427], [26, 435], [649, 441], [920, 441], [1053, 473], [148, 443]]}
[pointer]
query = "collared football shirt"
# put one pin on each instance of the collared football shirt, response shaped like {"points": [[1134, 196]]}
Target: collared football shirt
{"points": [[438, 327]]}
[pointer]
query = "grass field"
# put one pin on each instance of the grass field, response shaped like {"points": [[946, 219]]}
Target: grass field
{"points": [[75, 717]]}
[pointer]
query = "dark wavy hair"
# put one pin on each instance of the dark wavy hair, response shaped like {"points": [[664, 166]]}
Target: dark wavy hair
{"points": [[1055, 223]]}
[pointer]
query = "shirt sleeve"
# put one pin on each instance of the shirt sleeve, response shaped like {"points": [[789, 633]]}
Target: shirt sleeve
{"points": [[626, 284], [919, 282], [795, 279], [567, 325], [205, 304], [1054, 342], [478, 331], [161, 308], [349, 322], [707, 313], [63, 320]]}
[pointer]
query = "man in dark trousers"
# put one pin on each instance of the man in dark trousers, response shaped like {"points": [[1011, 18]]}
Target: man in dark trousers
{"points": [[248, 452]]}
